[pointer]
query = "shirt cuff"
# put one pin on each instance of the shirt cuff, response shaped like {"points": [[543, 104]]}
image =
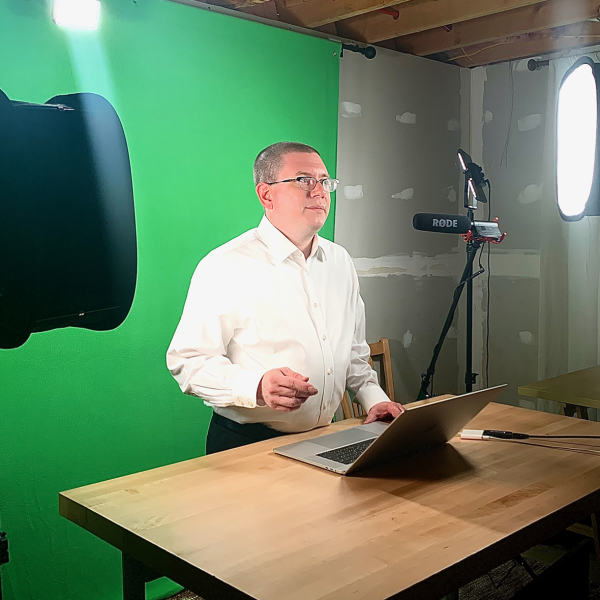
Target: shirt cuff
{"points": [[371, 394], [245, 386]]}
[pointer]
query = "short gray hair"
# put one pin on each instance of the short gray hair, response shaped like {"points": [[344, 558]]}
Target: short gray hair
{"points": [[269, 162]]}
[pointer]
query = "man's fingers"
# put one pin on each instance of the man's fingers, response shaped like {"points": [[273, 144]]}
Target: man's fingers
{"points": [[299, 386], [289, 373], [286, 392], [288, 403]]}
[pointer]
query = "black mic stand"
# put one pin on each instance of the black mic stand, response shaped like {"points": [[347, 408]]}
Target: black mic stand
{"points": [[467, 277], [473, 246]]}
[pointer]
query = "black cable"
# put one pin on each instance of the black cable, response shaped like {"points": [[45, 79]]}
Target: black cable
{"points": [[513, 435], [504, 157], [587, 437], [489, 281]]}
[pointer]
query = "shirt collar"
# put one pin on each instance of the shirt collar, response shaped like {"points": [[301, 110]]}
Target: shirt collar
{"points": [[280, 247]]}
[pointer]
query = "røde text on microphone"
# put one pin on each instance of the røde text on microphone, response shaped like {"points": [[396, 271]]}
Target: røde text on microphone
{"points": [[441, 223]]}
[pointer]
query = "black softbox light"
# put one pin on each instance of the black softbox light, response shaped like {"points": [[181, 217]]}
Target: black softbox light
{"points": [[68, 254]]}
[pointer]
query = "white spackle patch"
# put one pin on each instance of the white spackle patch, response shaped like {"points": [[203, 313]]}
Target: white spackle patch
{"points": [[407, 339], [488, 116], [526, 337], [453, 125], [452, 333], [350, 109], [407, 118], [353, 192], [406, 194], [529, 122], [532, 193], [451, 193]]}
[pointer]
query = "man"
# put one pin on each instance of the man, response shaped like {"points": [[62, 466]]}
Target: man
{"points": [[273, 328]]}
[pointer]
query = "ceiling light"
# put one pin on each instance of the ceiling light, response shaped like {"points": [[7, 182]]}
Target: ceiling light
{"points": [[82, 14]]}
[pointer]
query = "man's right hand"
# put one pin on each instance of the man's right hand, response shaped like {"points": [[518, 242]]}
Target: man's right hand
{"points": [[284, 390]]}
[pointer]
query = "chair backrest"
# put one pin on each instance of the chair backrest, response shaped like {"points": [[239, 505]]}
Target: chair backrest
{"points": [[380, 352]]}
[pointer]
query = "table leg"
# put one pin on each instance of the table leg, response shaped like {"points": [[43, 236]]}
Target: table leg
{"points": [[570, 410], [596, 540], [582, 412], [135, 577]]}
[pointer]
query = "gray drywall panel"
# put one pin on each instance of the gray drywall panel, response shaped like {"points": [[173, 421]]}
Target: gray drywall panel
{"points": [[513, 334], [399, 130], [411, 313], [513, 145], [388, 157]]}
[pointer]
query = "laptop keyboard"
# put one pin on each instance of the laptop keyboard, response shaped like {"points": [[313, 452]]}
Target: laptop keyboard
{"points": [[347, 454]]}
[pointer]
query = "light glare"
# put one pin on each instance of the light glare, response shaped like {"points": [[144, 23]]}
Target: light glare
{"points": [[82, 14], [576, 140]]}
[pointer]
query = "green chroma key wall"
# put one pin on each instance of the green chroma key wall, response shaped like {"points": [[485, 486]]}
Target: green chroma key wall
{"points": [[199, 94]]}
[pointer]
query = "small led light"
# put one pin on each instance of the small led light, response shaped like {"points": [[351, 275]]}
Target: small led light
{"points": [[82, 14]]}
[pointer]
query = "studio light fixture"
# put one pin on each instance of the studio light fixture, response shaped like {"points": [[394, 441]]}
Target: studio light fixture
{"points": [[81, 14], [474, 178], [577, 177]]}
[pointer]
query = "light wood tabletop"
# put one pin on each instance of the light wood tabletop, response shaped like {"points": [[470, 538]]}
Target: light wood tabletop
{"points": [[251, 524], [577, 389]]}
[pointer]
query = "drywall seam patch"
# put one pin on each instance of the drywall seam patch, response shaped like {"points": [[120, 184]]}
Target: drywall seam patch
{"points": [[529, 122], [350, 109], [513, 264], [353, 192], [406, 194], [532, 193], [407, 118]]}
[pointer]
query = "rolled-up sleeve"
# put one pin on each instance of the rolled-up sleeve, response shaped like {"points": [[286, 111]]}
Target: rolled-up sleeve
{"points": [[197, 354]]}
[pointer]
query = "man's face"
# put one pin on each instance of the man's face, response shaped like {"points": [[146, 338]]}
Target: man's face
{"points": [[294, 211]]}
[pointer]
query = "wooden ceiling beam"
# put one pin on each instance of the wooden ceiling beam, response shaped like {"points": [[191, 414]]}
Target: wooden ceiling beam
{"points": [[527, 19], [314, 13], [531, 44], [419, 15], [234, 4]]}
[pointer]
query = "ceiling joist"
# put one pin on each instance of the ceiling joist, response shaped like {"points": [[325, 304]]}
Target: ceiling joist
{"points": [[464, 32], [313, 13], [419, 15], [527, 19], [530, 44]]}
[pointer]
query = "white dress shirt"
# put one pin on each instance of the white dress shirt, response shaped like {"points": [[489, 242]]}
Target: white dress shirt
{"points": [[256, 304]]}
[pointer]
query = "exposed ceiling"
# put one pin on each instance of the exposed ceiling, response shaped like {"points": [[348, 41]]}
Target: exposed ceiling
{"points": [[468, 33]]}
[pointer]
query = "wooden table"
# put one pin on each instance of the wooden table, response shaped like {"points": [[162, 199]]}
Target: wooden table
{"points": [[250, 524], [575, 392]]}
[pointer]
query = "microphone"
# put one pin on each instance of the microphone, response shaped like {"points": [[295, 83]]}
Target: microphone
{"points": [[439, 223]]}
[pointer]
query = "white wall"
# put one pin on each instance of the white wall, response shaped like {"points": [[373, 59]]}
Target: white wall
{"points": [[398, 135]]}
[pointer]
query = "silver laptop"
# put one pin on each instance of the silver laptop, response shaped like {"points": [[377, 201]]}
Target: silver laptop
{"points": [[418, 428]]}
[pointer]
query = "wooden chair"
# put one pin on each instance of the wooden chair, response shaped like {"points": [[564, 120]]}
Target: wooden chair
{"points": [[380, 351]]}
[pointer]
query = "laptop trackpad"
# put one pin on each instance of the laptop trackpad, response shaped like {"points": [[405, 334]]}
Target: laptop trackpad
{"points": [[343, 438]]}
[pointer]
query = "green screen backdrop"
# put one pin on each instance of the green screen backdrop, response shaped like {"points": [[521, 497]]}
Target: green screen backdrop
{"points": [[199, 95]]}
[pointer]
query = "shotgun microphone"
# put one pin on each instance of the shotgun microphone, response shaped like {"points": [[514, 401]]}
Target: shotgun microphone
{"points": [[439, 223]]}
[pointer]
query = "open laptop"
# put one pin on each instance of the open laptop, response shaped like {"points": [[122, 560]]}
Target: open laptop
{"points": [[418, 428]]}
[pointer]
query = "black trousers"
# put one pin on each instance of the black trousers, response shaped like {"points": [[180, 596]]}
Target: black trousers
{"points": [[225, 434]]}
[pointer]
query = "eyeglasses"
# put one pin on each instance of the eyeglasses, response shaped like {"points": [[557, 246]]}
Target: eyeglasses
{"points": [[308, 184]]}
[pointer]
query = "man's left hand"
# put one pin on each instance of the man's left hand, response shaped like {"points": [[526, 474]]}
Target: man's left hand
{"points": [[384, 411]]}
